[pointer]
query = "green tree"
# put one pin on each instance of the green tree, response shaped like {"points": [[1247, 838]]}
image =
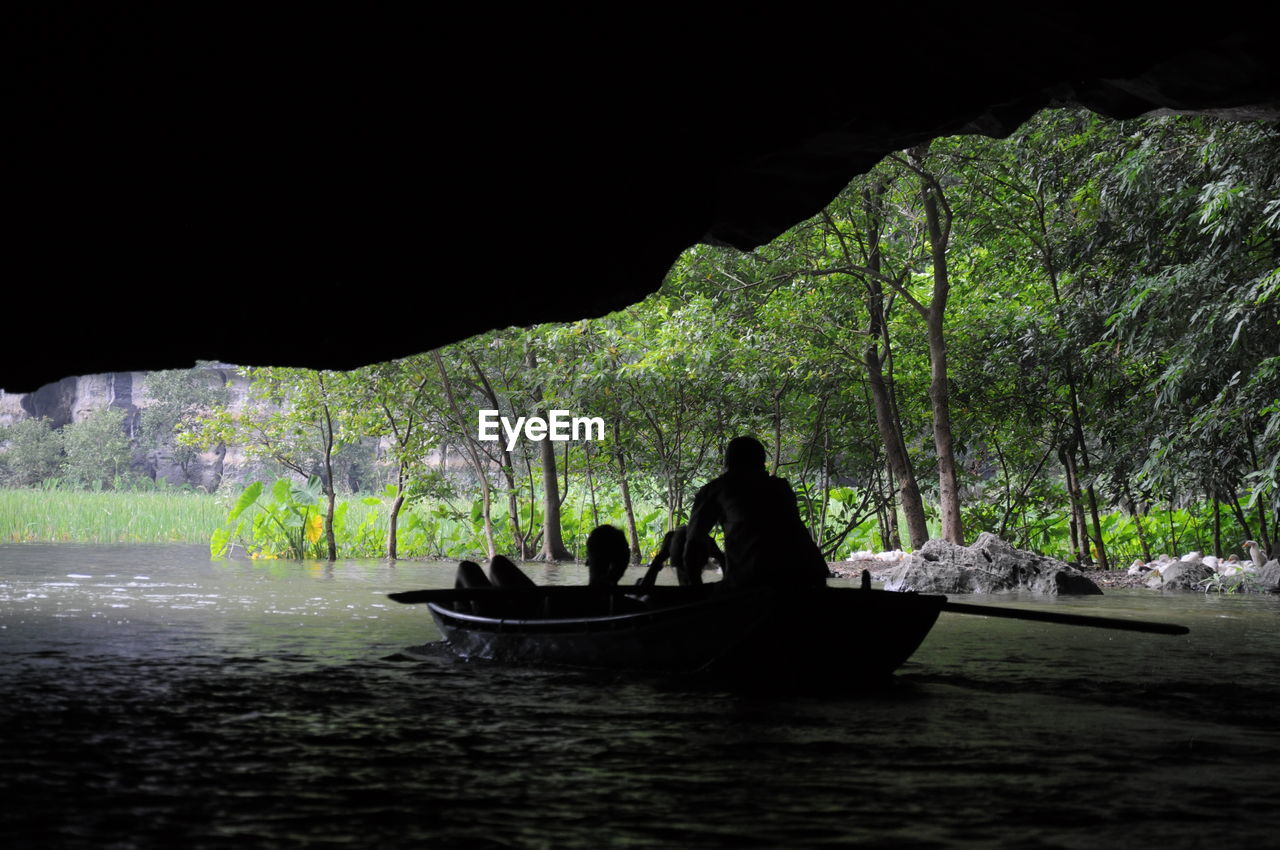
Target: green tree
{"points": [[1196, 211], [32, 452], [297, 418], [399, 400], [856, 241], [497, 376], [471, 445], [97, 449]]}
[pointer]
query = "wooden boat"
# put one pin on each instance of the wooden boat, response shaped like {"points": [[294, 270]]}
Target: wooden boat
{"points": [[821, 637], [828, 638]]}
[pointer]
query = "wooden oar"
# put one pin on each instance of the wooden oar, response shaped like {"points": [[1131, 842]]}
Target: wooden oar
{"points": [[460, 594], [447, 594], [1066, 619]]}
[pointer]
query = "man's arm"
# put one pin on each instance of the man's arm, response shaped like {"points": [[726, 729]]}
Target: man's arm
{"points": [[713, 551], [651, 576], [704, 516], [705, 513]]}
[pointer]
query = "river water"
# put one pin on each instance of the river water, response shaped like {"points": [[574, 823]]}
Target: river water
{"points": [[152, 698]]}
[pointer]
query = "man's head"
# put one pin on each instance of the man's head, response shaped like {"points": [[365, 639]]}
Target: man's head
{"points": [[608, 554], [744, 454]]}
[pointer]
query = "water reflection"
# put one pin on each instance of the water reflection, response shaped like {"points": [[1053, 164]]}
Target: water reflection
{"points": [[155, 699]]}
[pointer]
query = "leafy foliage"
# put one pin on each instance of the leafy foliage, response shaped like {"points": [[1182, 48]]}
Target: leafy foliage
{"points": [[33, 453], [97, 449], [283, 522]]}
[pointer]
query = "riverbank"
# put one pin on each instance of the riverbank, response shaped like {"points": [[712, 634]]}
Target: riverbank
{"points": [[878, 568]]}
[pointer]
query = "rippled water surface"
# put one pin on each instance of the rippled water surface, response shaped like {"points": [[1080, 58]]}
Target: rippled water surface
{"points": [[152, 698]]}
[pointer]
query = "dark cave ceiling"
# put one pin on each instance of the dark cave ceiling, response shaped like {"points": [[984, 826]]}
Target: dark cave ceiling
{"points": [[337, 192]]}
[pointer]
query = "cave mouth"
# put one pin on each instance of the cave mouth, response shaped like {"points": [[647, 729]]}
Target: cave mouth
{"points": [[292, 203]]}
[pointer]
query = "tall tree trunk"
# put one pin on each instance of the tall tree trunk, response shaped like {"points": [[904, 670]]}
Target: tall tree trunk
{"points": [[1090, 490], [329, 492], [896, 451], [875, 359], [1263, 528], [508, 465], [777, 428], [626, 495], [1217, 522], [393, 516], [552, 536], [824, 488], [948, 487], [552, 540], [1137, 521], [939, 396], [1142, 537], [393, 525], [1234, 504], [591, 487], [513, 506], [888, 422], [894, 540], [1079, 529], [1103, 561]]}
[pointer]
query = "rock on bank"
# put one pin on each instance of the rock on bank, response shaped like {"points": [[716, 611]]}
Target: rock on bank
{"points": [[989, 565]]}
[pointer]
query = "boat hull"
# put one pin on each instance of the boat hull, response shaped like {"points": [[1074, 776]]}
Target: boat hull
{"points": [[824, 637]]}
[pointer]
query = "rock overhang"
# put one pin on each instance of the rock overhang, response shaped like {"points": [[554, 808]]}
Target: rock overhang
{"points": [[297, 204]]}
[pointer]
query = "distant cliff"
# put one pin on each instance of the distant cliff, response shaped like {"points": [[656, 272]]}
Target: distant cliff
{"points": [[74, 399]]}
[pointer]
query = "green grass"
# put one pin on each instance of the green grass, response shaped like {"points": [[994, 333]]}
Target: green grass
{"points": [[61, 515], [71, 516]]}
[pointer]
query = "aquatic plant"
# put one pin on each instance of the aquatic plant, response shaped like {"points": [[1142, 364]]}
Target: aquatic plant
{"points": [[288, 524]]}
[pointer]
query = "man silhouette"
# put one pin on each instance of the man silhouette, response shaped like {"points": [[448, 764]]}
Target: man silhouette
{"points": [[765, 540]]}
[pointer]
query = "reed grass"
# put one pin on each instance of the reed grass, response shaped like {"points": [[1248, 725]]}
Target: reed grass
{"points": [[75, 516]]}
